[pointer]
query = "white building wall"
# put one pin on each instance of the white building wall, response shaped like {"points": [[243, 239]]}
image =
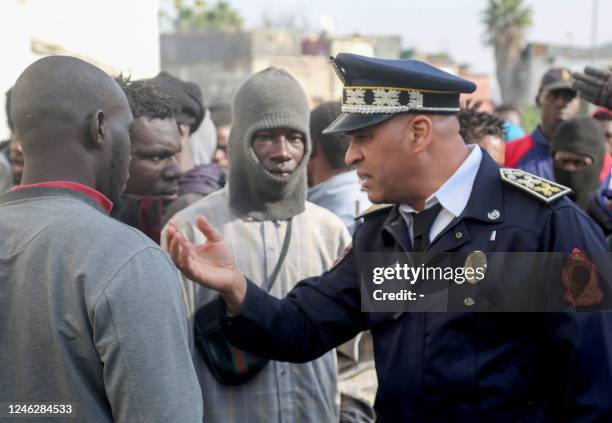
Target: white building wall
{"points": [[16, 55], [116, 35]]}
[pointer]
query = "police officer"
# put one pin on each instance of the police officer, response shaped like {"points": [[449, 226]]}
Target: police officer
{"points": [[443, 197]]}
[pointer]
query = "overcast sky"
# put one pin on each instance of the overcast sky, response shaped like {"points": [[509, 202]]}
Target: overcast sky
{"points": [[433, 25]]}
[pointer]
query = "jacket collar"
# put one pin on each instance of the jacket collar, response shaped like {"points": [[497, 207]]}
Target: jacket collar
{"points": [[487, 199]]}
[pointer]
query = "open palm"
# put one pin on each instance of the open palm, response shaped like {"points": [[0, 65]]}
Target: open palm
{"points": [[210, 264]]}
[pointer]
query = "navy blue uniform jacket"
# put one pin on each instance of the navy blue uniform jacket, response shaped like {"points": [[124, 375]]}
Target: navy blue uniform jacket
{"points": [[459, 366]]}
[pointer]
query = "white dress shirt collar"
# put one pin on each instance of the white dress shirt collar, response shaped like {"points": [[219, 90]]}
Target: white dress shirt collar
{"points": [[454, 194]]}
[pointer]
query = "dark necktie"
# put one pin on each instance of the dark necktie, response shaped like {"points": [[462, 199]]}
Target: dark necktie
{"points": [[421, 225]]}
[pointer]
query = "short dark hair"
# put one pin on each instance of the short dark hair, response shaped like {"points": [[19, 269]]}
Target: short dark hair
{"points": [[146, 100], [333, 146], [474, 125]]}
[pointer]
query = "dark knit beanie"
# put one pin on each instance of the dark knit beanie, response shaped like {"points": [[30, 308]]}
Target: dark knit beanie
{"points": [[186, 95], [267, 100], [332, 146], [585, 136]]}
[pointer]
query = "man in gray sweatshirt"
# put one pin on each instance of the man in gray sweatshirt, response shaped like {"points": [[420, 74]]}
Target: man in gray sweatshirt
{"points": [[92, 325]]}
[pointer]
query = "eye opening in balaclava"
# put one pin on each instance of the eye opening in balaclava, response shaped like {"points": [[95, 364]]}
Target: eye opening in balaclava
{"points": [[288, 133]]}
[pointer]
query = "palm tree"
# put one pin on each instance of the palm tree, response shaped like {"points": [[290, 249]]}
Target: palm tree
{"points": [[506, 22]]}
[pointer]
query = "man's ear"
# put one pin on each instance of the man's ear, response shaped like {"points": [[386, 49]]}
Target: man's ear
{"points": [[422, 129], [96, 128], [184, 130]]}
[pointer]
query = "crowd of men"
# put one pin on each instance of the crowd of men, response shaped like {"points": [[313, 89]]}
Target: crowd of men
{"points": [[111, 184]]}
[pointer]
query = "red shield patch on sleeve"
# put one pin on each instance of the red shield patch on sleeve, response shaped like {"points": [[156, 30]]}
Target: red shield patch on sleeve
{"points": [[345, 253], [581, 280]]}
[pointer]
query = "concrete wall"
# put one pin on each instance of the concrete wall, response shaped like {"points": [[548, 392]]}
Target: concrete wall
{"points": [[314, 73], [218, 79], [220, 61], [204, 46], [198, 46], [274, 42]]}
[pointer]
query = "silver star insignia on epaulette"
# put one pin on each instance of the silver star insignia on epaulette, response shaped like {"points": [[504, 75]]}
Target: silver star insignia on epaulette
{"points": [[541, 188]]}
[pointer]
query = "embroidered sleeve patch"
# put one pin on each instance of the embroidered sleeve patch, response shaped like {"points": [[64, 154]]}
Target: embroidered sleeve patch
{"points": [[345, 253], [581, 280]]}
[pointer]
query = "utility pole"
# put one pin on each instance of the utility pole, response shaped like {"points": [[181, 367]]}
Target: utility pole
{"points": [[594, 19]]}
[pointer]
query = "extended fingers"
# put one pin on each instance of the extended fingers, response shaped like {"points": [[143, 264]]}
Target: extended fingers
{"points": [[587, 91], [206, 228], [587, 86], [588, 79], [180, 249], [171, 227], [174, 247], [597, 73], [185, 253]]}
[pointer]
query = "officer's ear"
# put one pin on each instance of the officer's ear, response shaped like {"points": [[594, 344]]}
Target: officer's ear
{"points": [[422, 130]]}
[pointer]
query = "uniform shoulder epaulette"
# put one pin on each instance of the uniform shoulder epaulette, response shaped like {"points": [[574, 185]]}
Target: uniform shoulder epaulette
{"points": [[373, 209], [543, 189]]}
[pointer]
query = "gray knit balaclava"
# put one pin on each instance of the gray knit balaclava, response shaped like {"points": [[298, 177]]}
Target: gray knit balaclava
{"points": [[267, 100]]}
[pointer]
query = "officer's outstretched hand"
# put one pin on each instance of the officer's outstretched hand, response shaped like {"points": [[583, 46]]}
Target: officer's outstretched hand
{"points": [[210, 264], [595, 86]]}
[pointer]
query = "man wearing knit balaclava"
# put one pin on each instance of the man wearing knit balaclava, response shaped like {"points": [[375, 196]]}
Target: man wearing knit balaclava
{"points": [[276, 237], [257, 188], [578, 150]]}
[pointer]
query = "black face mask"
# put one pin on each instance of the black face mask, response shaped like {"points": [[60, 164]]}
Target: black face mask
{"points": [[583, 136], [583, 182]]}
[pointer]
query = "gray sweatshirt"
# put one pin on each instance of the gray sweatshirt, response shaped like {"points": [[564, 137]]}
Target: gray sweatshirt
{"points": [[91, 314]]}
